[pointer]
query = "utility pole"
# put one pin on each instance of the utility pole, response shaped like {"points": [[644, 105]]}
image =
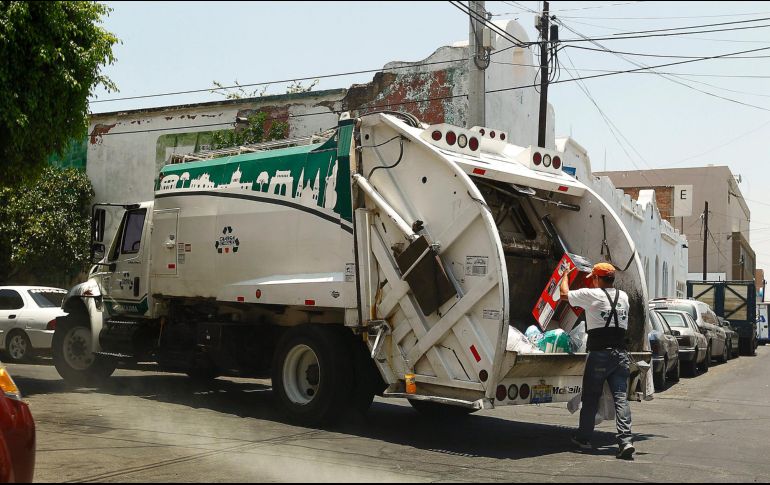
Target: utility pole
{"points": [[705, 239], [478, 63], [543, 76]]}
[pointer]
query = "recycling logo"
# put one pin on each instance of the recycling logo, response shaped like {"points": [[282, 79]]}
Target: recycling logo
{"points": [[227, 242]]}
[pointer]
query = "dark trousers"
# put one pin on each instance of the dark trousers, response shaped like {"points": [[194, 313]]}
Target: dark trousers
{"points": [[611, 366]]}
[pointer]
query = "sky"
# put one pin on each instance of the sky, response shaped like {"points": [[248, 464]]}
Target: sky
{"points": [[714, 112]]}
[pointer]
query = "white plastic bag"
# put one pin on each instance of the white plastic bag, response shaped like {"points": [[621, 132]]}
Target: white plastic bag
{"points": [[606, 409], [518, 343], [578, 338]]}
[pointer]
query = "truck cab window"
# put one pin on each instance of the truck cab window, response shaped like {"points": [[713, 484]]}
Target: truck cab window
{"points": [[132, 232]]}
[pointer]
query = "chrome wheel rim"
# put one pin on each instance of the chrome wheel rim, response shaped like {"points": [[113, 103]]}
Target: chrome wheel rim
{"points": [[301, 375], [77, 348], [17, 347]]}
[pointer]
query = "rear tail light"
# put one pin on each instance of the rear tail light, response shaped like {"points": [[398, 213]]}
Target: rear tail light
{"points": [[473, 143], [436, 135], [8, 386], [451, 138], [492, 134], [51, 325], [546, 160], [502, 393], [524, 391], [462, 141], [556, 162], [513, 392], [537, 158], [502, 136]]}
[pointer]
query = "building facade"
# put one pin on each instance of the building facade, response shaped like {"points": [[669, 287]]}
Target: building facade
{"points": [[729, 255]]}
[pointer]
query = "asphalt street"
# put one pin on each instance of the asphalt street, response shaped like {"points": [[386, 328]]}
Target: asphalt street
{"points": [[145, 426]]}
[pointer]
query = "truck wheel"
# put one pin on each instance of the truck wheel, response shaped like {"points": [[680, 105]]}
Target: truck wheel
{"points": [[18, 347], [659, 379], [367, 379], [437, 410], [312, 374], [72, 354]]}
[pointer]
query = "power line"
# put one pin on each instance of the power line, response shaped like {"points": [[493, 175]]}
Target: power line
{"points": [[613, 128], [596, 7], [686, 17], [621, 37], [264, 83], [695, 26], [656, 55], [480, 18], [646, 67], [512, 88]]}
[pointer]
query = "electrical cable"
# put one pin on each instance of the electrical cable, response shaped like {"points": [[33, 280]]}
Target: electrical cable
{"points": [[480, 18], [657, 55], [695, 26], [646, 36], [646, 67], [388, 167], [323, 76]]}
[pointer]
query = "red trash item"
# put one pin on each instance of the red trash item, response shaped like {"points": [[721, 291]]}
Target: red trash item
{"points": [[547, 305]]}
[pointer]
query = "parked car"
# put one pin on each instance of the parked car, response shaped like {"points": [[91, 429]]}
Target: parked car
{"points": [[665, 352], [733, 342], [17, 434], [28, 319], [693, 344], [706, 320]]}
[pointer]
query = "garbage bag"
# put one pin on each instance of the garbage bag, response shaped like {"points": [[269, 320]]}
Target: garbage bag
{"points": [[554, 342], [517, 342], [578, 338], [534, 334]]}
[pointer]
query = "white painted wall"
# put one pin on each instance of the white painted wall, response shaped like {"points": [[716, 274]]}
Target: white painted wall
{"points": [[659, 245]]}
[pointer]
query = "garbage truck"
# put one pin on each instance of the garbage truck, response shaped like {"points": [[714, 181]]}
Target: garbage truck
{"points": [[384, 257]]}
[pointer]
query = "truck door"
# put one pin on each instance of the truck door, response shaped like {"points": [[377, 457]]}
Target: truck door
{"points": [[168, 252], [126, 290]]}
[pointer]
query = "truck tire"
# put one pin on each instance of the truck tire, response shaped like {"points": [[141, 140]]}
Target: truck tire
{"points": [[367, 379], [71, 348], [435, 410], [312, 375]]}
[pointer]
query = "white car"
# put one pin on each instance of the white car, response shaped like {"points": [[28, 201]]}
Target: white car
{"points": [[28, 319]]}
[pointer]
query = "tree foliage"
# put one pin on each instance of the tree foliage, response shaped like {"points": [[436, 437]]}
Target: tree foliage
{"points": [[258, 129], [51, 57], [44, 228]]}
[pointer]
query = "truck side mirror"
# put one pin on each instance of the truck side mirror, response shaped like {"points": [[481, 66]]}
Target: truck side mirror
{"points": [[97, 252], [98, 219]]}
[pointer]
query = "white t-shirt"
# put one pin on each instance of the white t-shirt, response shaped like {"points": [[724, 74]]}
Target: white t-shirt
{"points": [[597, 307]]}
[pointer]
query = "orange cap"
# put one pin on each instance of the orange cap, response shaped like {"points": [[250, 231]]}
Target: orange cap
{"points": [[602, 269]]}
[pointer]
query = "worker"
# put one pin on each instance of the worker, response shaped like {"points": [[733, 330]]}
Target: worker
{"points": [[606, 309]]}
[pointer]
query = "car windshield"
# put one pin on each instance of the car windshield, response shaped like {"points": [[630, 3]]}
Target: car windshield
{"points": [[47, 298], [682, 307], [674, 319]]}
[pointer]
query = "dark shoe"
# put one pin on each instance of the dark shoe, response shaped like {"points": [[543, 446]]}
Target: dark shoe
{"points": [[583, 444], [626, 451]]}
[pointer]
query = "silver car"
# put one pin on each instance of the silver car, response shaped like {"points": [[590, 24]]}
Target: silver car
{"points": [[694, 351], [705, 319]]}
